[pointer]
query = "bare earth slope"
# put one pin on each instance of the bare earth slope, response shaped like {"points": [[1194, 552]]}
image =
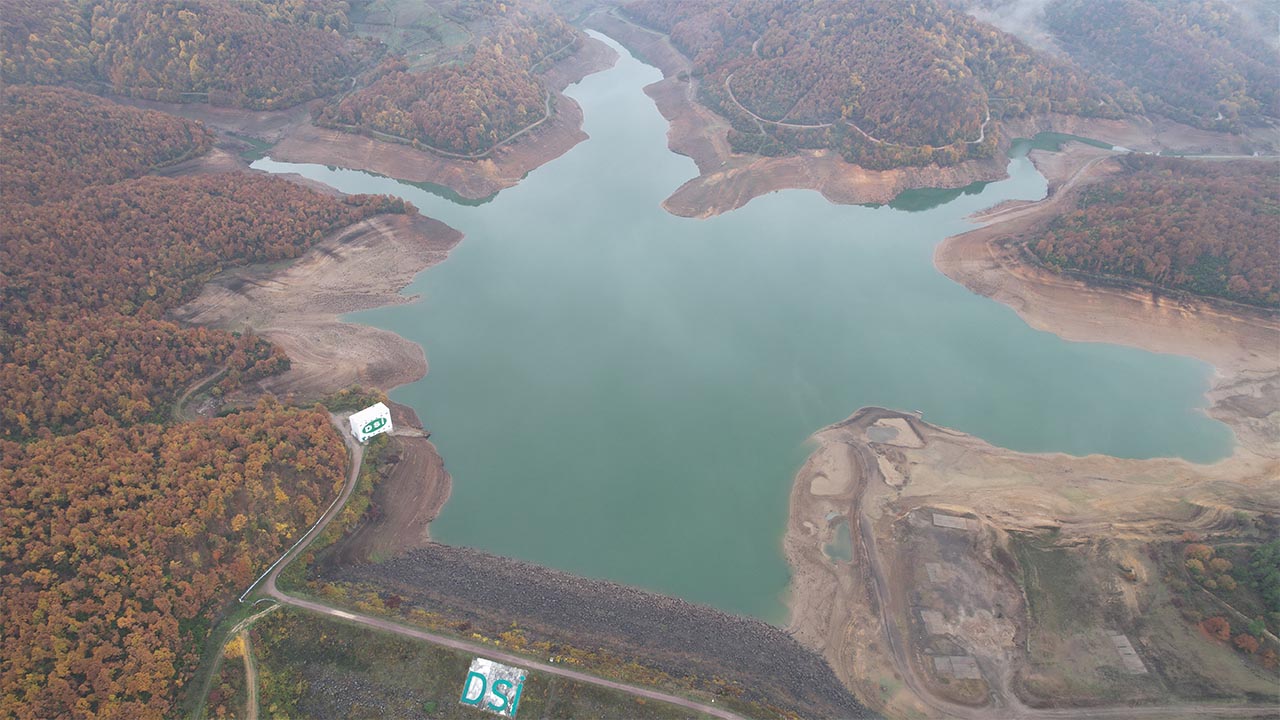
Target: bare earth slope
{"points": [[880, 471], [360, 267]]}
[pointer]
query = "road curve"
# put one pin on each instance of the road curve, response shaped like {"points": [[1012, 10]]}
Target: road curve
{"points": [[269, 588]]}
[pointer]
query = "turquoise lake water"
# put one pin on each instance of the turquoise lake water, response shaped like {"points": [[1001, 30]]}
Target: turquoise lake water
{"points": [[626, 394]]}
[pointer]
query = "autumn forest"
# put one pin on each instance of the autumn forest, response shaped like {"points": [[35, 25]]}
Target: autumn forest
{"points": [[127, 532], [124, 534]]}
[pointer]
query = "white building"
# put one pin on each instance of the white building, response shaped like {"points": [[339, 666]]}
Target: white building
{"points": [[373, 420]]}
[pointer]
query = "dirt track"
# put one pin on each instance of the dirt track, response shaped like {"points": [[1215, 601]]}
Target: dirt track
{"points": [[987, 261], [728, 180], [266, 586]]}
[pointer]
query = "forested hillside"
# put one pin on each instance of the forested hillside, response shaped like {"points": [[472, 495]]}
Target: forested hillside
{"points": [[1204, 227], [118, 546], [89, 279], [464, 107], [885, 83], [1199, 62], [125, 538], [55, 141], [260, 54]]}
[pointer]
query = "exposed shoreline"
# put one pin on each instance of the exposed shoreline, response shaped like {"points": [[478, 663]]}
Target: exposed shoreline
{"points": [[472, 179], [837, 606], [871, 483], [1234, 338], [297, 307], [729, 180], [294, 138]]}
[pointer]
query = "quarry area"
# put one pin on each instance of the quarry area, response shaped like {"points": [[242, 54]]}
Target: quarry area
{"points": [[980, 582]]}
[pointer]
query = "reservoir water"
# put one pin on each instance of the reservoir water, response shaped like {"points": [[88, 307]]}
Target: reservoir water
{"points": [[626, 394]]}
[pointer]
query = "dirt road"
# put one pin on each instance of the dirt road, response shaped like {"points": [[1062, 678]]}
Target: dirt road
{"points": [[250, 678]]}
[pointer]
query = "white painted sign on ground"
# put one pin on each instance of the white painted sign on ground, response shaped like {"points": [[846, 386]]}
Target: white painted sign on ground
{"points": [[494, 687], [373, 420]]}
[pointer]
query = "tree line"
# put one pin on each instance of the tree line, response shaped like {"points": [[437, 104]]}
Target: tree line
{"points": [[122, 536], [919, 78], [1200, 62], [259, 54], [1203, 227]]}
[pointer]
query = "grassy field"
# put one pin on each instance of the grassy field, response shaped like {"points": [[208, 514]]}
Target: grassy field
{"points": [[412, 28], [1072, 604], [311, 666], [1077, 595]]}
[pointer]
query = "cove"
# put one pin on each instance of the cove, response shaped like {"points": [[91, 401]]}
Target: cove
{"points": [[625, 394]]}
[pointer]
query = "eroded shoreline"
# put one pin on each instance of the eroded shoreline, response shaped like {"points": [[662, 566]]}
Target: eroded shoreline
{"points": [[872, 483], [729, 180]]}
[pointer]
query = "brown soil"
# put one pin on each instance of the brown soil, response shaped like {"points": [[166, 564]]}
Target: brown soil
{"points": [[413, 489], [268, 125], [296, 139], [1089, 498], [1235, 339], [297, 306], [729, 180], [220, 159], [1147, 135], [860, 614], [474, 179]]}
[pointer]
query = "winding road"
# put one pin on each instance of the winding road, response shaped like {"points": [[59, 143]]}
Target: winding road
{"points": [[728, 88], [269, 589]]}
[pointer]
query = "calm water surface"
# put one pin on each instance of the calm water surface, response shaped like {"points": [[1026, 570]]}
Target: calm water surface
{"points": [[625, 394]]}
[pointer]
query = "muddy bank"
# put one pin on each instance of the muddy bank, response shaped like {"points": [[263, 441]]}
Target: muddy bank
{"points": [[1236, 339], [1146, 135], [677, 637], [412, 488], [472, 179], [869, 477], [267, 125], [875, 468], [297, 306], [729, 180]]}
